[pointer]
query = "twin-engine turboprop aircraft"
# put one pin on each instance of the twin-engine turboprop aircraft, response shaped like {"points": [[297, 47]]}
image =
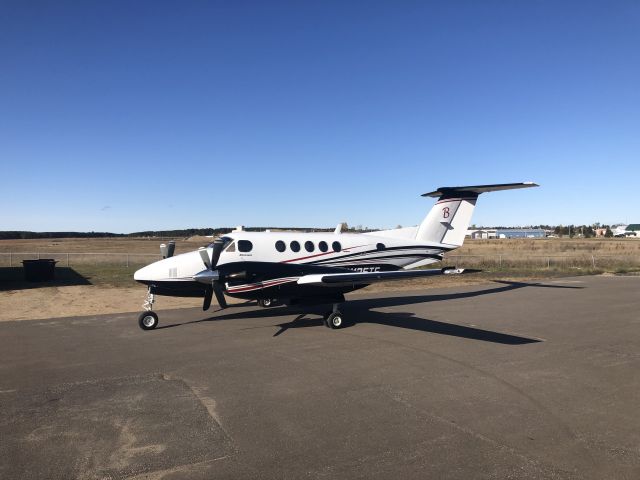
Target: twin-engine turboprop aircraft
{"points": [[314, 268]]}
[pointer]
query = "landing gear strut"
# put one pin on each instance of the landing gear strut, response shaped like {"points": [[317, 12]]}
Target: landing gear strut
{"points": [[148, 320], [334, 319]]}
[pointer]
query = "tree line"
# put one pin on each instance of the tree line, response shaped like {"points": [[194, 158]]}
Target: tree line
{"points": [[585, 231], [179, 233]]}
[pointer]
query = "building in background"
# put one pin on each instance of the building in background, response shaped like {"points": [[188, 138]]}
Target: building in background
{"points": [[521, 233], [481, 234], [631, 230], [489, 233]]}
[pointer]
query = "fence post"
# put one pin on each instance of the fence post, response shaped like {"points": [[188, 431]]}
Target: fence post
{"points": [[67, 260], [10, 259], [127, 260], [593, 261], [548, 262], [500, 261]]}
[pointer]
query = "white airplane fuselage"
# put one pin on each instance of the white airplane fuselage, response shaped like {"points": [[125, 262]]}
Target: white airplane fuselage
{"points": [[269, 264]]}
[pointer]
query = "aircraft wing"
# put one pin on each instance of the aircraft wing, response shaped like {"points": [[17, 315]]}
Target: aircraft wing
{"points": [[334, 279]]}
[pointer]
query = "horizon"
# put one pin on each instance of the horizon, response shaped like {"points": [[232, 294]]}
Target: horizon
{"points": [[135, 117], [546, 227]]}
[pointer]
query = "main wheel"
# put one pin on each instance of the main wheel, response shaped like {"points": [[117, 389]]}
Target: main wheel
{"points": [[266, 302], [148, 320], [335, 320]]}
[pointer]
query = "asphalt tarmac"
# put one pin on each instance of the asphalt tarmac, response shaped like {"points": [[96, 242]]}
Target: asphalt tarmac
{"points": [[508, 380]]}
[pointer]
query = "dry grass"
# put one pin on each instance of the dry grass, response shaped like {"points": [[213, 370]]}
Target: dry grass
{"points": [[98, 245], [552, 246], [102, 284], [507, 258], [553, 254]]}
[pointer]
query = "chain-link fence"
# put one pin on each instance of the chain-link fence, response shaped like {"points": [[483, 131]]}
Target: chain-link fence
{"points": [[496, 261], [558, 262], [75, 259]]}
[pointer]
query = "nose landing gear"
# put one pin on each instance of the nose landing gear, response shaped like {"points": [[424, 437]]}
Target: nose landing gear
{"points": [[148, 320]]}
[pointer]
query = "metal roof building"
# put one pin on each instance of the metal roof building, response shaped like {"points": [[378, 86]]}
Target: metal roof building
{"points": [[521, 233]]}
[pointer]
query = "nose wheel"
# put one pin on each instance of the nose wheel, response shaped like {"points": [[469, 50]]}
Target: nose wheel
{"points": [[148, 320]]}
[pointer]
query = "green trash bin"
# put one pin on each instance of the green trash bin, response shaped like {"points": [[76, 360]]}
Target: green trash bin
{"points": [[39, 270]]}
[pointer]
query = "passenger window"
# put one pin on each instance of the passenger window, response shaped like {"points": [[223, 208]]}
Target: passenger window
{"points": [[245, 246], [280, 246], [323, 246], [380, 246], [231, 247], [336, 246], [295, 246], [309, 246]]}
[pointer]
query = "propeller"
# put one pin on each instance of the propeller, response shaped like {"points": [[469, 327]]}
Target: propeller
{"points": [[166, 250], [210, 276]]}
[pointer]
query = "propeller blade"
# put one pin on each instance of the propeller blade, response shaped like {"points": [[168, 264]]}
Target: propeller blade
{"points": [[166, 250], [208, 294], [205, 257], [216, 251], [217, 289]]}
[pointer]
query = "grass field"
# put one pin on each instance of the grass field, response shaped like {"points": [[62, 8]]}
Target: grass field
{"points": [[112, 261], [99, 275]]}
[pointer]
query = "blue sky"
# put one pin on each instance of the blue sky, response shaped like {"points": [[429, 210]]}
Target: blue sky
{"points": [[127, 116]]}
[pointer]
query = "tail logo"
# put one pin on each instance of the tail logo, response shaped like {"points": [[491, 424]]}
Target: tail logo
{"points": [[445, 212]]}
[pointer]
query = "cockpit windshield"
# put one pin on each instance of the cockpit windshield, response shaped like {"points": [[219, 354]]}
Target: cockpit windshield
{"points": [[226, 244]]}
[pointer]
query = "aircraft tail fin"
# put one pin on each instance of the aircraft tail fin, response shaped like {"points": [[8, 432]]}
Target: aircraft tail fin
{"points": [[449, 219]]}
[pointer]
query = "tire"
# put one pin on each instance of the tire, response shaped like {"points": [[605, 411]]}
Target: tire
{"points": [[148, 320], [266, 302], [335, 320]]}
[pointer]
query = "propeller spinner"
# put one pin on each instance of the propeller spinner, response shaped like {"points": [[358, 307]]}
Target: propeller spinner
{"points": [[210, 276]]}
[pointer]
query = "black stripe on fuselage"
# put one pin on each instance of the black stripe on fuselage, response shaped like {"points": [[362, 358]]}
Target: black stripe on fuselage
{"points": [[244, 273]]}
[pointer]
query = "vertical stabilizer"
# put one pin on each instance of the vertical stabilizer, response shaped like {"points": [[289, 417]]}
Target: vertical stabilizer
{"points": [[450, 217]]}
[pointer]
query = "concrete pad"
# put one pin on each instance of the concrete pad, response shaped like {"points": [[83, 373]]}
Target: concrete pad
{"points": [[510, 380]]}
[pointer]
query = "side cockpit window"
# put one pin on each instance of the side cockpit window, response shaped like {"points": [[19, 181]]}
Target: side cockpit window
{"points": [[229, 245]]}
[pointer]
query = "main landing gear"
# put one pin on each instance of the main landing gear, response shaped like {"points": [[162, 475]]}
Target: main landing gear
{"points": [[267, 302], [334, 319], [148, 320]]}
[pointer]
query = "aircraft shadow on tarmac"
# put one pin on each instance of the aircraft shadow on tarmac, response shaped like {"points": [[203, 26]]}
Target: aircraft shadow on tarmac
{"points": [[410, 321], [361, 310]]}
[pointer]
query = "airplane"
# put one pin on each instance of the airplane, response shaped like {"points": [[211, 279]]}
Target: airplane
{"points": [[295, 268]]}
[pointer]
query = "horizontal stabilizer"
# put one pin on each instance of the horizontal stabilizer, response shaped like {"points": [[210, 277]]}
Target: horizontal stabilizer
{"points": [[475, 190]]}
